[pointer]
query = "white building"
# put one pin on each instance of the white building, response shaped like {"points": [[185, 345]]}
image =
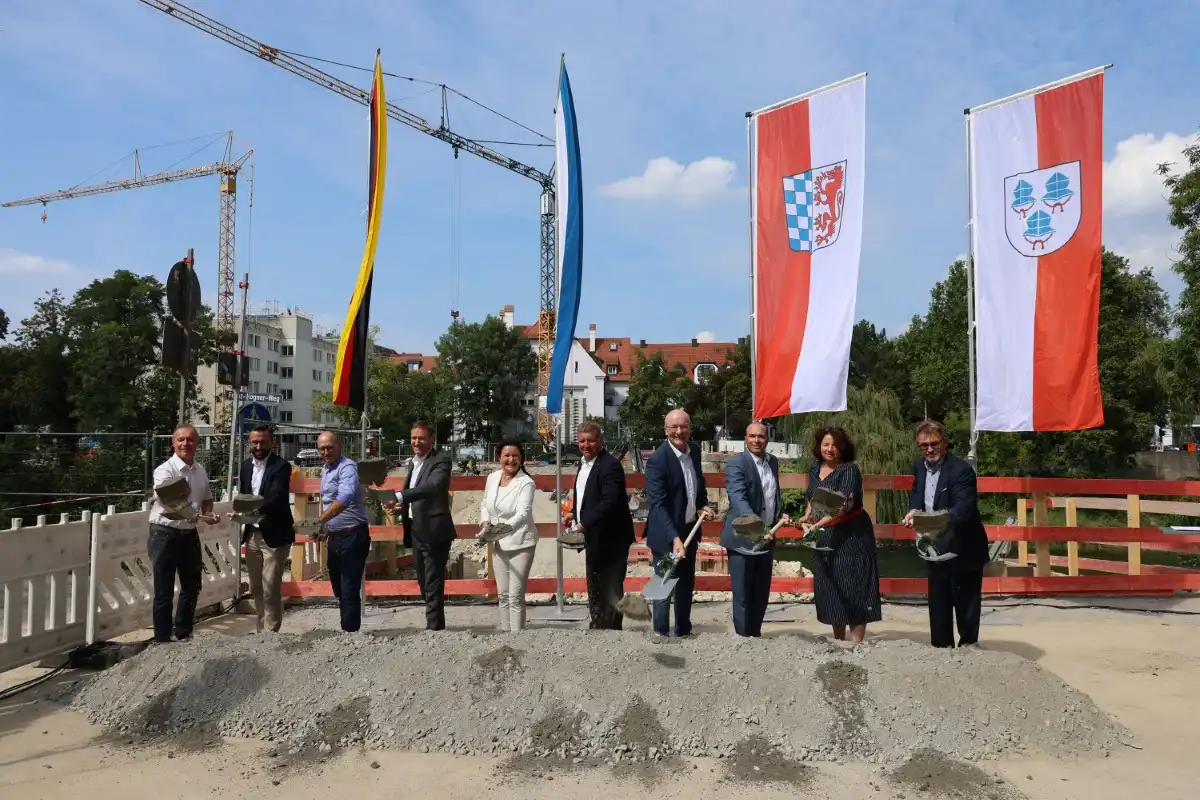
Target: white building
{"points": [[291, 361]]}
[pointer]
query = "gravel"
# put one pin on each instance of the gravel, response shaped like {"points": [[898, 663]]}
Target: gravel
{"points": [[601, 697]]}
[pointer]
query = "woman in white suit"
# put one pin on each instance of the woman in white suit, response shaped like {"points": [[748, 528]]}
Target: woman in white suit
{"points": [[508, 498]]}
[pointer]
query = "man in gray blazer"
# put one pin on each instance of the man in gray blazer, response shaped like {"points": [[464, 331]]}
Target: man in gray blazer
{"points": [[428, 526], [752, 483]]}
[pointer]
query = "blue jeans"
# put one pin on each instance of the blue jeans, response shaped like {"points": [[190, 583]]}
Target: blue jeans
{"points": [[750, 577], [685, 570], [348, 551]]}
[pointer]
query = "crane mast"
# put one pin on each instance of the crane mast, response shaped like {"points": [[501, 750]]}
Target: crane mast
{"points": [[296, 66], [227, 169]]}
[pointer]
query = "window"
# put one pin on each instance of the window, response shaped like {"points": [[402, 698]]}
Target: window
{"points": [[286, 394], [414, 366], [329, 358], [316, 374], [273, 345], [273, 367], [254, 364], [287, 351], [253, 340], [316, 354], [612, 347], [285, 373], [285, 416], [613, 369], [254, 386]]}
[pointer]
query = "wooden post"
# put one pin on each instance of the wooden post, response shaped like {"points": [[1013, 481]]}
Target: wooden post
{"points": [[299, 512], [1041, 517], [870, 501], [1072, 547], [1134, 520], [1022, 520]]}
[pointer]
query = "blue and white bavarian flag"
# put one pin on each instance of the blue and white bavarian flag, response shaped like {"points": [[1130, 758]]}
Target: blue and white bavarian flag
{"points": [[569, 208]]}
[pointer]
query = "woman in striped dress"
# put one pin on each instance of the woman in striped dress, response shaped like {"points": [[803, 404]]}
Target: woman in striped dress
{"points": [[846, 580]]}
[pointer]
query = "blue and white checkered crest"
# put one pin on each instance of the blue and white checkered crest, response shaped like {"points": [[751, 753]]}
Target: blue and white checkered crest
{"points": [[813, 202]]}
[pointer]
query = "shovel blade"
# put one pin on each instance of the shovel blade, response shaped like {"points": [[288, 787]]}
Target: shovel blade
{"points": [[659, 588]]}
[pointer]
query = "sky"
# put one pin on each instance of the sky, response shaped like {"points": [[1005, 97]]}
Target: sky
{"points": [[661, 92]]}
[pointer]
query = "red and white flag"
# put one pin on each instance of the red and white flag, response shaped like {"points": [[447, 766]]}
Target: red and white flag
{"points": [[809, 156], [1036, 162]]}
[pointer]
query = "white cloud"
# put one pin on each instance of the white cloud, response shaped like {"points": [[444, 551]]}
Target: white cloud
{"points": [[1132, 184], [665, 179], [14, 263], [705, 337]]}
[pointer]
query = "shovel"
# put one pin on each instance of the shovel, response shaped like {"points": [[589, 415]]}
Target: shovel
{"points": [[928, 526], [494, 531], [752, 528], [661, 587]]}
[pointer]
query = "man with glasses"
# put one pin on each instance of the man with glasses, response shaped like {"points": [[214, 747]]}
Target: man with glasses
{"points": [[677, 497], [942, 481]]}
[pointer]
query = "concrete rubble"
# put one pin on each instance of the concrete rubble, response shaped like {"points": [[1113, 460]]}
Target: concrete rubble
{"points": [[598, 697]]}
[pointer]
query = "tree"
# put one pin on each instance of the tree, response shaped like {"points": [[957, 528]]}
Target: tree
{"points": [[653, 391], [934, 351], [1184, 200], [488, 368], [875, 360], [3, 324], [722, 397], [396, 398]]}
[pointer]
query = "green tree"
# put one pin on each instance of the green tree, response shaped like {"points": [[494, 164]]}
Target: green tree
{"points": [[934, 351], [40, 390], [1184, 200], [722, 397], [488, 367], [3, 324], [396, 398], [875, 360], [654, 389]]}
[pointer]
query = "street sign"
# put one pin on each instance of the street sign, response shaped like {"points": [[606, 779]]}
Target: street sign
{"points": [[254, 397], [183, 292], [254, 412]]}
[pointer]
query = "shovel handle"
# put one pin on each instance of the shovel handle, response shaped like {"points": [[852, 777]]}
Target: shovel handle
{"points": [[692, 535]]}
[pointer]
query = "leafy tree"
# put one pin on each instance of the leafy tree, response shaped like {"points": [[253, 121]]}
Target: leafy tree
{"points": [[396, 398], [875, 360], [41, 386], [487, 368], [1184, 200], [934, 351], [653, 391], [722, 397], [3, 324]]}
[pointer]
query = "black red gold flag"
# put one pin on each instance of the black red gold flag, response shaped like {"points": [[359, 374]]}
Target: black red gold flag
{"points": [[350, 379]]}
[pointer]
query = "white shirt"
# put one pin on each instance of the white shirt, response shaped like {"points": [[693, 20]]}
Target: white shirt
{"points": [[512, 504], [257, 470], [197, 480], [770, 488], [581, 479], [415, 472], [689, 480]]}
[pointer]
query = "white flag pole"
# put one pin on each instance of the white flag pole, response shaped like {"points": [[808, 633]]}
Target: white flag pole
{"points": [[753, 311], [970, 266]]}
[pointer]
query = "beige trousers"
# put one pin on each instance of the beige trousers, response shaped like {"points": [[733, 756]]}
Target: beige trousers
{"points": [[265, 565], [512, 570]]}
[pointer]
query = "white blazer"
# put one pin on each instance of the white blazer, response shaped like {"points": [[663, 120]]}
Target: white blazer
{"points": [[512, 504]]}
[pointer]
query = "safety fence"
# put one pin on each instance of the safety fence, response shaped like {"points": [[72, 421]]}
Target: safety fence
{"points": [[71, 583], [1018, 577]]}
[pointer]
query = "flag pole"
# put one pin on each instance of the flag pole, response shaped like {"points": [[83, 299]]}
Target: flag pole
{"points": [[753, 310], [970, 267]]}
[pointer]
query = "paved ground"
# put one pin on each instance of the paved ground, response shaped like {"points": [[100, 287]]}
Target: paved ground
{"points": [[1142, 668]]}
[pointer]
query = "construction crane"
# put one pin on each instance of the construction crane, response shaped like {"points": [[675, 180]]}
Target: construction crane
{"points": [[297, 66], [227, 169]]}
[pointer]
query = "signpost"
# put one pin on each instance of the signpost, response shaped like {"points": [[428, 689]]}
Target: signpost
{"points": [[183, 300]]}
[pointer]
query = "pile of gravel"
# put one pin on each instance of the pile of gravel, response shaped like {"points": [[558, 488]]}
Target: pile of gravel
{"points": [[594, 697]]}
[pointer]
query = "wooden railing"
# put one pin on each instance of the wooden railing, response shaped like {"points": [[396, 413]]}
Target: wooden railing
{"points": [[1036, 496]]}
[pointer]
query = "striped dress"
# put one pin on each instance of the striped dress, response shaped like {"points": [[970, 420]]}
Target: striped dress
{"points": [[846, 581]]}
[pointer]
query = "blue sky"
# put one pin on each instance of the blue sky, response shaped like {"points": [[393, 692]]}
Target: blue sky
{"points": [[86, 82]]}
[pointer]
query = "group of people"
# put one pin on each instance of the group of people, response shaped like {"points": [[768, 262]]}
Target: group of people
{"points": [[845, 566]]}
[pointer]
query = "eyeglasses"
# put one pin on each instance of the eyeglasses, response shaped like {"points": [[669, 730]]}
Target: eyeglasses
{"points": [[679, 427], [930, 445]]}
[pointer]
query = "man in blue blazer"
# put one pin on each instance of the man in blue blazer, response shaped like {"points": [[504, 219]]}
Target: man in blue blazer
{"points": [[677, 497], [944, 481], [752, 483]]}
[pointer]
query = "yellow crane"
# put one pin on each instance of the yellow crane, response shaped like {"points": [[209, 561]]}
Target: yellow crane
{"points": [[548, 277], [232, 162]]}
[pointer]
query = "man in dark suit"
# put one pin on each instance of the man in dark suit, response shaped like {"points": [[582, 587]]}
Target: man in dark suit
{"points": [[428, 526], [677, 497], [602, 509], [752, 483], [944, 481], [267, 475]]}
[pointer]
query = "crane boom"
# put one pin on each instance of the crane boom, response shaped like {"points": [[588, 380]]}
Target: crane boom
{"points": [[548, 262], [307, 71], [124, 183]]}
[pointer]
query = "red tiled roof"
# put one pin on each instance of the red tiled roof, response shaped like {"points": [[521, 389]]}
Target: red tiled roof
{"points": [[427, 362]]}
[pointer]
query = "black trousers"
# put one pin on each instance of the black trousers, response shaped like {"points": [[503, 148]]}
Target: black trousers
{"points": [[685, 571], [954, 593], [750, 577], [430, 563], [174, 552], [605, 567], [348, 551]]}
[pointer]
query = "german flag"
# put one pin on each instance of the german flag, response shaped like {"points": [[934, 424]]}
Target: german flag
{"points": [[350, 380]]}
